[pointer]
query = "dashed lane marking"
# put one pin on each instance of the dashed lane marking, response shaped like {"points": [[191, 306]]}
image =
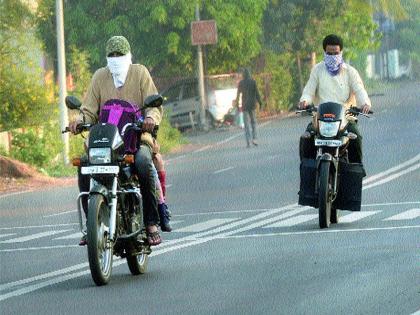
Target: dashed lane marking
{"points": [[406, 215], [356, 216], [32, 237], [293, 221], [206, 225]]}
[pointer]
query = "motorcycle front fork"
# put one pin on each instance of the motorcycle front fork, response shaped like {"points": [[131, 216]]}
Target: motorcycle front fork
{"points": [[112, 205]]}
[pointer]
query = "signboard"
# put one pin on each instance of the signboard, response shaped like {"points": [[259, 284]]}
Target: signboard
{"points": [[204, 32]]}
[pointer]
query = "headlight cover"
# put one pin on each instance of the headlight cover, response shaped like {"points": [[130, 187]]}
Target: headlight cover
{"points": [[329, 128], [99, 155]]}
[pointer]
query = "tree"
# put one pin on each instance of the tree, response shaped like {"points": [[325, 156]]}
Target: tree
{"points": [[159, 32], [23, 97], [297, 27], [407, 37]]}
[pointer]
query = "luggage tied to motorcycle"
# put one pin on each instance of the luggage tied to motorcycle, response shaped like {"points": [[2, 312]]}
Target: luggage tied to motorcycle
{"points": [[119, 113]]}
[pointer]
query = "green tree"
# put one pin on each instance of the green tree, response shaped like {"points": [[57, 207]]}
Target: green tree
{"points": [[158, 31], [22, 93], [297, 27], [407, 35]]}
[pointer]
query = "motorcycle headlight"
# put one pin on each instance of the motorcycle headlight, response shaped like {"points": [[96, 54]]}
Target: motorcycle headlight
{"points": [[99, 155], [329, 128]]}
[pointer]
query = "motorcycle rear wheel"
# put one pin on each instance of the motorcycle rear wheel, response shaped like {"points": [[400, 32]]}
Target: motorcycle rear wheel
{"points": [[324, 197], [137, 264], [100, 250]]}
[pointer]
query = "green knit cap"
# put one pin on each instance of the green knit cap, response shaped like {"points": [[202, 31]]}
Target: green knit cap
{"points": [[117, 44]]}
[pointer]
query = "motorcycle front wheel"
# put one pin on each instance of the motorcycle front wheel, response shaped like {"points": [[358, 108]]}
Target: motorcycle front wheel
{"points": [[324, 197], [100, 250]]}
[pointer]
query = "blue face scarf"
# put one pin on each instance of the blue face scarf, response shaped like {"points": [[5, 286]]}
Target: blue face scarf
{"points": [[333, 63]]}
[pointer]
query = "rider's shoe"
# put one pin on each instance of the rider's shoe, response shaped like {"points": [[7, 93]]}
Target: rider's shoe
{"points": [[165, 217], [83, 240]]}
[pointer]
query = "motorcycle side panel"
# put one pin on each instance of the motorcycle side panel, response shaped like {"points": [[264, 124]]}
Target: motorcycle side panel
{"points": [[349, 196], [307, 196]]}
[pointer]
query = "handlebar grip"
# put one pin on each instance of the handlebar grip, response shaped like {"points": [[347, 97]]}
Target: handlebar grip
{"points": [[67, 129]]}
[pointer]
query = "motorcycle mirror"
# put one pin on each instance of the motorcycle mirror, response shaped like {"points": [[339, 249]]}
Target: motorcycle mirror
{"points": [[154, 100], [72, 102]]}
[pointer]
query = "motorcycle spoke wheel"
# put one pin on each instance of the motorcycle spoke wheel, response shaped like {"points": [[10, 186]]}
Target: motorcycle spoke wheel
{"points": [[100, 250]]}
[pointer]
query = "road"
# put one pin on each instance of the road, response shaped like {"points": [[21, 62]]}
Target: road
{"points": [[241, 244]]}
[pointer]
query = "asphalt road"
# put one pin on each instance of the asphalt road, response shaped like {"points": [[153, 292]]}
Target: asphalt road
{"points": [[241, 244]]}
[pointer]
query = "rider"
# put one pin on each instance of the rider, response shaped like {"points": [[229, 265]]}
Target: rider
{"points": [[132, 83], [333, 80]]}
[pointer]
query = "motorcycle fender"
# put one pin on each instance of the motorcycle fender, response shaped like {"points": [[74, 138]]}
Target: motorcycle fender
{"points": [[102, 190], [326, 157]]}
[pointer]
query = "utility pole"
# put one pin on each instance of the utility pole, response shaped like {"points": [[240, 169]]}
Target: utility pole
{"points": [[201, 78], [62, 77]]}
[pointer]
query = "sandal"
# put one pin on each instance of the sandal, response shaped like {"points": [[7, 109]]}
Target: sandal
{"points": [[153, 238]]}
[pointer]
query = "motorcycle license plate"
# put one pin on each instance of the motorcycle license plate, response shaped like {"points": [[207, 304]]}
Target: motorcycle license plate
{"points": [[327, 143], [100, 169]]}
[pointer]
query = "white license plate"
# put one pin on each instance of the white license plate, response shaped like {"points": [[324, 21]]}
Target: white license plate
{"points": [[327, 143], [100, 169]]}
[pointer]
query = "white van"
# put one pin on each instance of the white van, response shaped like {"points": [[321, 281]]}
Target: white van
{"points": [[182, 100]]}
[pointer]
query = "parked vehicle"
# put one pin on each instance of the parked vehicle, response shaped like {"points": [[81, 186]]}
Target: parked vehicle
{"points": [[182, 101], [115, 215], [330, 181]]}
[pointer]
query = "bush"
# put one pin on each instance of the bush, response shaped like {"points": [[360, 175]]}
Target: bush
{"points": [[36, 146], [168, 137], [281, 83]]}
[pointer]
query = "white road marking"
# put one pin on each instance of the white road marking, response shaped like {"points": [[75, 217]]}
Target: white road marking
{"points": [[293, 221], [206, 225], [16, 193], [392, 169], [203, 149], [406, 215], [22, 249], [70, 236], [59, 213], [392, 177], [355, 216], [60, 275], [391, 204], [32, 237], [390, 228], [37, 226], [6, 235], [224, 170]]}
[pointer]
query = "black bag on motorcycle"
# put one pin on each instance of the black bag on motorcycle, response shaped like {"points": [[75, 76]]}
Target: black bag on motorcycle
{"points": [[349, 196], [307, 195]]}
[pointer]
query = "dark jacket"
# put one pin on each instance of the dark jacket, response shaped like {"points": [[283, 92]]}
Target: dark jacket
{"points": [[250, 95]]}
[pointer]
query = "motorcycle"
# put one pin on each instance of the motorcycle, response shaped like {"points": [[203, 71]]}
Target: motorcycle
{"points": [[330, 181], [115, 215]]}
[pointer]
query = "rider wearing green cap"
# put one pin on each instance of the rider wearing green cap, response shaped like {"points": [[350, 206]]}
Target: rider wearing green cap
{"points": [[122, 80]]}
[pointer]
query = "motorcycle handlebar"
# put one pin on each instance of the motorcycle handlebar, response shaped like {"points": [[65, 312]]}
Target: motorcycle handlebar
{"points": [[80, 128], [138, 126]]}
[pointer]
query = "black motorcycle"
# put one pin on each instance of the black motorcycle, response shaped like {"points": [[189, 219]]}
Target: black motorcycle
{"points": [[115, 215], [330, 181]]}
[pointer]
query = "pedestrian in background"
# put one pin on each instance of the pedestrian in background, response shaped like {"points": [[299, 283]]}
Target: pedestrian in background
{"points": [[250, 96]]}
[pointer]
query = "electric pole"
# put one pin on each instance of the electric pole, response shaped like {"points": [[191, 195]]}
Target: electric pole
{"points": [[62, 77]]}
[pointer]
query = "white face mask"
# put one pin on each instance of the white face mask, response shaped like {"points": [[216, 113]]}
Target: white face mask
{"points": [[119, 68]]}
